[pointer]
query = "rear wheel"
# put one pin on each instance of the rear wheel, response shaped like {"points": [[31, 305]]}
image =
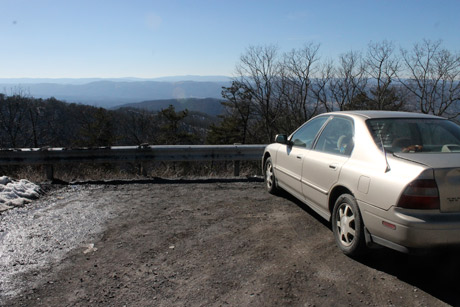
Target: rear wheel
{"points": [[269, 177], [348, 226]]}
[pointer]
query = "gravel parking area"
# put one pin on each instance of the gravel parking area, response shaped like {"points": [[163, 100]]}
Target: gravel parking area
{"points": [[199, 243]]}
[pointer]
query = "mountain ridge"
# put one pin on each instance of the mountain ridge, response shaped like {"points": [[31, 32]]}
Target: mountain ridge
{"points": [[106, 93]]}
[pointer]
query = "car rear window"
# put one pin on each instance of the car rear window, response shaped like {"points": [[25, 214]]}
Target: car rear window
{"points": [[415, 134]]}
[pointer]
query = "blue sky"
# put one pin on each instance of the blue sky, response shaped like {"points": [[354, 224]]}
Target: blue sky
{"points": [[147, 39]]}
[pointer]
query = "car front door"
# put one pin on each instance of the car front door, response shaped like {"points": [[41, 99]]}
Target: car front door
{"points": [[321, 167], [289, 158]]}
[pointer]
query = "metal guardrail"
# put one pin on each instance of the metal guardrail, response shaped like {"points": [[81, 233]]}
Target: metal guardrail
{"points": [[134, 154]]}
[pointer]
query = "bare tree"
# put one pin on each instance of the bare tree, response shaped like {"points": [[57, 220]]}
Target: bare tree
{"points": [[12, 113], [382, 67], [137, 125], [432, 77], [239, 105], [322, 86], [257, 72], [96, 128], [350, 80], [295, 83], [34, 114]]}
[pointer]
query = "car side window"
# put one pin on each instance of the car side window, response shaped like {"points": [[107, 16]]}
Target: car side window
{"points": [[306, 134], [336, 137]]}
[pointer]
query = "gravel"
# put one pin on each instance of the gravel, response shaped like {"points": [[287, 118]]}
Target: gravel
{"points": [[196, 243]]}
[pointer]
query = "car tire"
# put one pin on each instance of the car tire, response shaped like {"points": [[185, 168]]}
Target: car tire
{"points": [[348, 226], [269, 177]]}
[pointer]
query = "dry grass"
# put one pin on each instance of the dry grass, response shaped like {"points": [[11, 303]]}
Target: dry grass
{"points": [[129, 171]]}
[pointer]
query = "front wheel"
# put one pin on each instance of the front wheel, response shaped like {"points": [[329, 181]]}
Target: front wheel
{"points": [[269, 177], [348, 227]]}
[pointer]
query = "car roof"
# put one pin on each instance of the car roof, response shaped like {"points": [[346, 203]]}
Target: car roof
{"points": [[384, 114]]}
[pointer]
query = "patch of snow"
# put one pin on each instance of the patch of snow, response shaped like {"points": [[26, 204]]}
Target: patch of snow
{"points": [[32, 239], [16, 193]]}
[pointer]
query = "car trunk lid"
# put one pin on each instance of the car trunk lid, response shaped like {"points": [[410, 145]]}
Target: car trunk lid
{"points": [[446, 168], [433, 160]]}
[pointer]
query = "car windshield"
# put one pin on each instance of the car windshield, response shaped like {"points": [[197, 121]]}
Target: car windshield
{"points": [[415, 134]]}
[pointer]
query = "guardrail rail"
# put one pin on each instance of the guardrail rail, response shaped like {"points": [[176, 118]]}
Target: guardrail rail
{"points": [[134, 154]]}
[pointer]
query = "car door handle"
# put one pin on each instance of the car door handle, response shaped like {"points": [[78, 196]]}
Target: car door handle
{"points": [[299, 157], [333, 166]]}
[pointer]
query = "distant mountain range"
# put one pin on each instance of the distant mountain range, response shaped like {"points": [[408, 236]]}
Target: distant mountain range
{"points": [[108, 93], [126, 79]]}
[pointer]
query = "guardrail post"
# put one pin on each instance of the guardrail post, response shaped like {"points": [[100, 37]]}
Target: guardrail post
{"points": [[143, 169], [49, 168], [49, 171], [236, 168], [143, 165], [236, 165]]}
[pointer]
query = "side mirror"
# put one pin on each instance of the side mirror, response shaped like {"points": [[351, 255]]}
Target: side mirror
{"points": [[282, 139]]}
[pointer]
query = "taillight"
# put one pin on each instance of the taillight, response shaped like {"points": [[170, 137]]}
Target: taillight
{"points": [[420, 194]]}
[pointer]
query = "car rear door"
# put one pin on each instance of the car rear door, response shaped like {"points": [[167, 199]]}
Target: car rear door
{"points": [[321, 167]]}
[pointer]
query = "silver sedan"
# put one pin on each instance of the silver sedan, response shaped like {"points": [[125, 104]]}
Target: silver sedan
{"points": [[380, 178]]}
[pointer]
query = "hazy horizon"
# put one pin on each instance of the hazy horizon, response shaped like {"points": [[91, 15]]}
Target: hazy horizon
{"points": [[178, 78]]}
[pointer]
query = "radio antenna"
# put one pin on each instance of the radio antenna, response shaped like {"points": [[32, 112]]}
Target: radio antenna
{"points": [[388, 168]]}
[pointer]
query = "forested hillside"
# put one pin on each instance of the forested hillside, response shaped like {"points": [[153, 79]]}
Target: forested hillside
{"points": [[31, 123], [210, 106]]}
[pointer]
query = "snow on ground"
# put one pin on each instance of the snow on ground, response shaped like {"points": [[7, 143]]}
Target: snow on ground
{"points": [[16, 193]]}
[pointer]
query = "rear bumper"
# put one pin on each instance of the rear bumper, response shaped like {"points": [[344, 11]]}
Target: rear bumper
{"points": [[411, 229]]}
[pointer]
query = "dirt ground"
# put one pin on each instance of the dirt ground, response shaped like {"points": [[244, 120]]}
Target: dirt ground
{"points": [[199, 243]]}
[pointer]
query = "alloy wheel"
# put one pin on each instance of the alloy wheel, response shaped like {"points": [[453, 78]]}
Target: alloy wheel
{"points": [[345, 220], [269, 175]]}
